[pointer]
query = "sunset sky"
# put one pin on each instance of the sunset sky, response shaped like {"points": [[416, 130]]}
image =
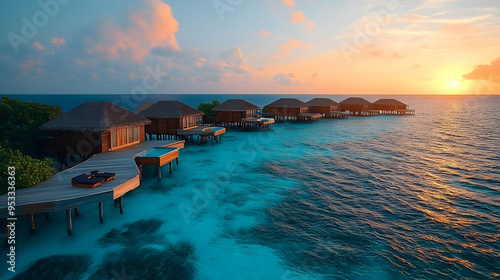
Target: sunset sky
{"points": [[243, 46]]}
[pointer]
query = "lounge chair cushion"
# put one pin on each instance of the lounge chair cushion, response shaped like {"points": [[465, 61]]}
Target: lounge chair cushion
{"points": [[106, 175], [84, 180]]}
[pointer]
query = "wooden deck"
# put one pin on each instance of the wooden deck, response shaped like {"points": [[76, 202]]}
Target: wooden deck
{"points": [[202, 131], [57, 193]]}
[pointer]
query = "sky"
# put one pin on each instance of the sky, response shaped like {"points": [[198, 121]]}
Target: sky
{"points": [[254, 47]]}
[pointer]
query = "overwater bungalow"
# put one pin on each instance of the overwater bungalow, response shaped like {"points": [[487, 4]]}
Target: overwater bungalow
{"points": [[357, 106], [231, 111], [327, 108], [176, 120], [169, 116], [240, 113], [91, 128], [392, 107], [290, 109]]}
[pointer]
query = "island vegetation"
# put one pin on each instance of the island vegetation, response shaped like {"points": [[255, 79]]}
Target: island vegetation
{"points": [[19, 132], [207, 108]]}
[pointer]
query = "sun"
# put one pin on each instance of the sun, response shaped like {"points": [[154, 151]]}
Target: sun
{"points": [[454, 84]]}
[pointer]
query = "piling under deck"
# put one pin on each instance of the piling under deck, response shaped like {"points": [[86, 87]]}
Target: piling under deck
{"points": [[57, 193]]}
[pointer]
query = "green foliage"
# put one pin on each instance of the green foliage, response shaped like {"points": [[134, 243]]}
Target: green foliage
{"points": [[207, 108], [29, 171], [21, 121]]}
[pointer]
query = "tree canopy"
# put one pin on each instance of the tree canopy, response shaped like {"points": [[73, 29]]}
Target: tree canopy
{"points": [[207, 108], [21, 121], [19, 132]]}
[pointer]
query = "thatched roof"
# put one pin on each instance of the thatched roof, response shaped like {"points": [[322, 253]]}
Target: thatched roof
{"points": [[389, 102], [287, 103], [170, 109], [144, 106], [94, 117], [322, 102], [235, 105], [355, 101]]}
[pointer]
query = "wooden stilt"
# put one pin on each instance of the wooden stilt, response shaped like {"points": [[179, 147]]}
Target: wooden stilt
{"points": [[177, 160], [32, 218], [158, 169], [121, 204], [77, 212], [101, 215], [70, 223], [170, 166]]}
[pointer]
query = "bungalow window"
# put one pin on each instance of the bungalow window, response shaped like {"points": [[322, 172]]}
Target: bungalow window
{"points": [[184, 123], [124, 136], [114, 138], [136, 133], [191, 121], [130, 134]]}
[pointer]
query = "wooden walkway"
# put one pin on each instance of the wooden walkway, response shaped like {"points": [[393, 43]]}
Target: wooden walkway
{"points": [[57, 193]]}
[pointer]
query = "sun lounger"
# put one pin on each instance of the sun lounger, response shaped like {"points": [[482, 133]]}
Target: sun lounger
{"points": [[86, 181], [106, 175]]}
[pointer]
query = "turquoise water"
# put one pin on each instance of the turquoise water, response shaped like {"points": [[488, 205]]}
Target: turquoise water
{"points": [[386, 197], [157, 152]]}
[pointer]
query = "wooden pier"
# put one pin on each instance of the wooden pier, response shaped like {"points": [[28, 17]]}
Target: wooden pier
{"points": [[57, 193]]}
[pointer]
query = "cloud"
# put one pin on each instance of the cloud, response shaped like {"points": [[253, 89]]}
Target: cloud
{"points": [[286, 79], [57, 41], [290, 3], [132, 76], [298, 17], [265, 33], [485, 72], [29, 65], [313, 77], [234, 60], [147, 26], [286, 49], [95, 76], [458, 28], [39, 46], [414, 17]]}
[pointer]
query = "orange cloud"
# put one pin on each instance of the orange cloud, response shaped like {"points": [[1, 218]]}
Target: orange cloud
{"points": [[290, 3], [298, 17], [485, 72], [286, 49], [150, 26], [265, 33], [57, 41], [132, 76], [39, 46], [457, 28], [414, 17]]}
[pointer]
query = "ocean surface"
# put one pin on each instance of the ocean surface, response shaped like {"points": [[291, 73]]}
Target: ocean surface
{"points": [[386, 197]]}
